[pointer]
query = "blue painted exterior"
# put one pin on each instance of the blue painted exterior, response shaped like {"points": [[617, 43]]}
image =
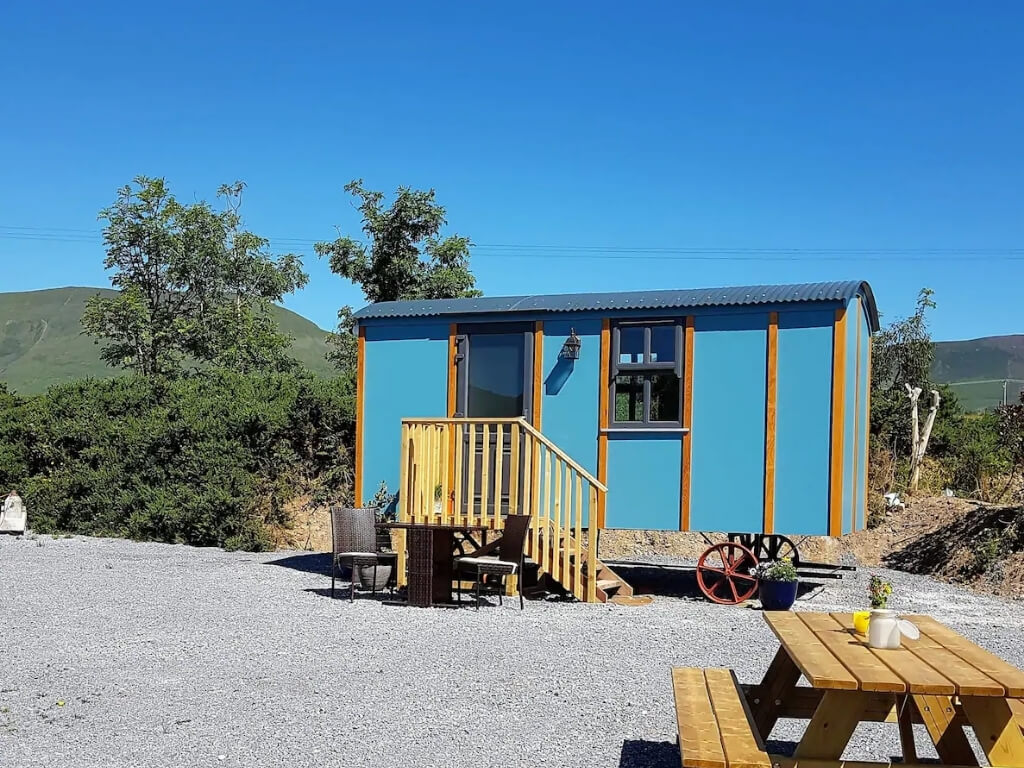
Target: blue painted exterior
{"points": [[391, 393], [406, 375], [570, 390], [863, 422], [729, 385], [850, 449], [803, 414], [643, 481]]}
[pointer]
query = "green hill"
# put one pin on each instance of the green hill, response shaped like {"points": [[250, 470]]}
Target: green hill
{"points": [[41, 339], [977, 368]]}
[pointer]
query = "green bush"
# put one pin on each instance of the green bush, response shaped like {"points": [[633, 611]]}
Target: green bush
{"points": [[209, 459]]}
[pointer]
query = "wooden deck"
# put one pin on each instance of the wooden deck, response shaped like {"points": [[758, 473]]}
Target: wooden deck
{"points": [[451, 471]]}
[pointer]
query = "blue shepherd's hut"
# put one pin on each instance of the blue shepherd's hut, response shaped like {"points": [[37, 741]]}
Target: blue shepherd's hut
{"points": [[717, 409]]}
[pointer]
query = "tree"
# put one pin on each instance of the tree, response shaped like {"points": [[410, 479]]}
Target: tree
{"points": [[193, 284], [901, 368], [405, 257]]}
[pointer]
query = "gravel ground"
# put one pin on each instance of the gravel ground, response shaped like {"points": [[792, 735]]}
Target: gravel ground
{"points": [[117, 653]]}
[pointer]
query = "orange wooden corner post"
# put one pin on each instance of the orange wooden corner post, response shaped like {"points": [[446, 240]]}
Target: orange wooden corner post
{"points": [[604, 382], [771, 399], [835, 506], [538, 401], [360, 411], [538, 373], [687, 451]]}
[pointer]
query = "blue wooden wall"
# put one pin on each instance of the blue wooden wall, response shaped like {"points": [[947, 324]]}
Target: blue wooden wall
{"points": [[863, 423], [804, 412], [570, 390], [406, 376], [729, 384], [643, 481]]}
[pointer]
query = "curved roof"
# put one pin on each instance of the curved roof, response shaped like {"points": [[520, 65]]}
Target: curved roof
{"points": [[687, 298]]}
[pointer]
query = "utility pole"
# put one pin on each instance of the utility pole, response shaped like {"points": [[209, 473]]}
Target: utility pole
{"points": [[1004, 393]]}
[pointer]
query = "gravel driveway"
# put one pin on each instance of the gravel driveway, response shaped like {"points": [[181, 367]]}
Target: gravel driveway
{"points": [[125, 654]]}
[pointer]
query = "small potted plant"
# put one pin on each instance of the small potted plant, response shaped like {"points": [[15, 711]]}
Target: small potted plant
{"points": [[387, 512], [384, 504], [776, 584], [883, 626]]}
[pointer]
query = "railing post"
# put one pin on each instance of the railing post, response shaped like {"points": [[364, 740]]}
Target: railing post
{"points": [[471, 485], [592, 534], [566, 530], [578, 541], [556, 542], [515, 471], [457, 491], [549, 550], [485, 458], [499, 471]]}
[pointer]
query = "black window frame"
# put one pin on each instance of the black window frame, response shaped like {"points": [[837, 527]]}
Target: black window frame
{"points": [[646, 367]]}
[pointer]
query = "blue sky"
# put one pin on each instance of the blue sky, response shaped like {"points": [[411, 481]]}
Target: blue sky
{"points": [[862, 139]]}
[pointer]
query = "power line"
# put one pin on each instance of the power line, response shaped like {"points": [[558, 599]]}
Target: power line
{"points": [[656, 253]]}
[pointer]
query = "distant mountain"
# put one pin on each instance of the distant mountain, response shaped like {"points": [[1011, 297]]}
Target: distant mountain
{"points": [[977, 368], [41, 339]]}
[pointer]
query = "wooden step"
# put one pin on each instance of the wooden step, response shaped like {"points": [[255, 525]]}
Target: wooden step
{"points": [[608, 584]]}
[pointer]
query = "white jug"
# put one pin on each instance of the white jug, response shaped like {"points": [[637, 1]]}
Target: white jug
{"points": [[885, 629]]}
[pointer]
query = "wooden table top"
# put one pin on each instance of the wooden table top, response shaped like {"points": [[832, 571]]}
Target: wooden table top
{"points": [[832, 656], [437, 526]]}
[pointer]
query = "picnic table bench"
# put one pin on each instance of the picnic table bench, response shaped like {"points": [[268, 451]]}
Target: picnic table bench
{"points": [[941, 680]]}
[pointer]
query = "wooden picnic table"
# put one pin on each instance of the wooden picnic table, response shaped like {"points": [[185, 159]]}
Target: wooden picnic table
{"points": [[942, 680]]}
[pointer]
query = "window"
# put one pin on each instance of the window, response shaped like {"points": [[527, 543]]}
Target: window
{"points": [[647, 369]]}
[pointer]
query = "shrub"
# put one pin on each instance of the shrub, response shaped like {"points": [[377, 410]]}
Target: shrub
{"points": [[209, 459]]}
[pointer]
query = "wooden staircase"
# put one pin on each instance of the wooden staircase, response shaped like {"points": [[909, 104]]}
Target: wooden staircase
{"points": [[608, 583], [452, 470]]}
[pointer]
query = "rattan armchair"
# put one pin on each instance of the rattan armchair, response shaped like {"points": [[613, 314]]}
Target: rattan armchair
{"points": [[511, 552], [354, 537]]}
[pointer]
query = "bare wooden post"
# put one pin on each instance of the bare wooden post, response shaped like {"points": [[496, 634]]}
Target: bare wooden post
{"points": [[919, 440]]}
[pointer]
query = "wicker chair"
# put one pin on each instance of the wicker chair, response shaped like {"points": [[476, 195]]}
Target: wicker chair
{"points": [[511, 551], [354, 537]]}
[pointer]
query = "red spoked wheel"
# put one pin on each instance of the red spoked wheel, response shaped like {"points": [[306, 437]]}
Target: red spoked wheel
{"points": [[723, 573]]}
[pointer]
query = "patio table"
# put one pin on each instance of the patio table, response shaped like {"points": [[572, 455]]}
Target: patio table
{"points": [[431, 571], [942, 680]]}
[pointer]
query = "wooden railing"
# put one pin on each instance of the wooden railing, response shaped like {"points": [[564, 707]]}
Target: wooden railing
{"points": [[475, 471]]}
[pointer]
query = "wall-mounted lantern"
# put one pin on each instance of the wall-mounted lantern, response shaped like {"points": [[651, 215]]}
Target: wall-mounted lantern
{"points": [[571, 347]]}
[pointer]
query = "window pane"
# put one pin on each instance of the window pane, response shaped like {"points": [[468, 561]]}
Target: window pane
{"points": [[664, 397], [496, 373], [631, 345], [663, 344], [629, 398]]}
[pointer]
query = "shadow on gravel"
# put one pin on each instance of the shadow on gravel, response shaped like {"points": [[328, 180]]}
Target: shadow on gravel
{"points": [[648, 754], [675, 580], [659, 579], [341, 593], [786, 748], [966, 547], [314, 562]]}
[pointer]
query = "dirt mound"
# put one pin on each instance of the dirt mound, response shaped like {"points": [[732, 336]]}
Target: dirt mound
{"points": [[309, 527], [958, 540]]}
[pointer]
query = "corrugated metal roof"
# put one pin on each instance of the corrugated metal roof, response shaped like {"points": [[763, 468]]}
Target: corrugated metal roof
{"points": [[687, 298]]}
